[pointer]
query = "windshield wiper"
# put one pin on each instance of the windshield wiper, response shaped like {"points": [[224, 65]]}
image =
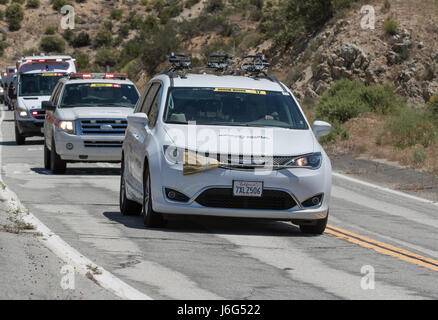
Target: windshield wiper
{"points": [[225, 124], [114, 105], [176, 122]]}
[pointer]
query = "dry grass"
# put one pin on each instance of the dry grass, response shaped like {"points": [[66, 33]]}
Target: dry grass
{"points": [[364, 135]]}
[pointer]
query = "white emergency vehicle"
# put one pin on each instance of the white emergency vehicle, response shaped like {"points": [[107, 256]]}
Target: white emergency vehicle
{"points": [[86, 119], [37, 76]]}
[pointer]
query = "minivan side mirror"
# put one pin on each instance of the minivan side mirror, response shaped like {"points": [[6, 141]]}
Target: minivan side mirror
{"points": [[321, 128], [138, 119], [48, 106]]}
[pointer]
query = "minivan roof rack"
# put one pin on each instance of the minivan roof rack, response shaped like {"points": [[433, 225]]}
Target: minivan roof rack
{"points": [[219, 62], [253, 66], [179, 62], [256, 65]]}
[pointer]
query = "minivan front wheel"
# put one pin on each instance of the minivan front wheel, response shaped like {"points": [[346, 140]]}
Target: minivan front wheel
{"points": [[127, 207], [317, 228], [46, 157], [151, 218]]}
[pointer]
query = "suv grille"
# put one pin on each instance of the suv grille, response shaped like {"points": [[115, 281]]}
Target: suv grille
{"points": [[103, 126], [103, 144], [223, 198]]}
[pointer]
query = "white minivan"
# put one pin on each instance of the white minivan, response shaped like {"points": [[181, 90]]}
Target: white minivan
{"points": [[224, 145], [37, 76]]}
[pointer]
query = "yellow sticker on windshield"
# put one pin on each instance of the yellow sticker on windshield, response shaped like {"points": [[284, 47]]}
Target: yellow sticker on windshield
{"points": [[240, 90], [108, 85], [52, 74]]}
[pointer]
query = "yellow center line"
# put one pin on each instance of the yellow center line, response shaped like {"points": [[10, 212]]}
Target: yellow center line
{"points": [[384, 248]]}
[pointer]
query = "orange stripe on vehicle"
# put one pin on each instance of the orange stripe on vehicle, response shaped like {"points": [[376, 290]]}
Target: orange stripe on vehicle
{"points": [[383, 248]]}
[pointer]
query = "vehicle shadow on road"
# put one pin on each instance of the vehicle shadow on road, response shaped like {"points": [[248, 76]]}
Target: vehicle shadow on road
{"points": [[214, 225], [28, 143], [81, 172]]}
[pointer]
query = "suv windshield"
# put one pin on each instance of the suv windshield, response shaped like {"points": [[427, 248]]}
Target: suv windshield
{"points": [[38, 84], [235, 107], [99, 95]]}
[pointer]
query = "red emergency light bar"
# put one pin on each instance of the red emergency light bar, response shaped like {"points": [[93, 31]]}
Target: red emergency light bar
{"points": [[119, 76], [45, 60]]}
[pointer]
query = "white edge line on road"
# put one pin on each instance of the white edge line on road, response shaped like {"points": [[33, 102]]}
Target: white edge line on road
{"points": [[64, 251], [371, 185]]}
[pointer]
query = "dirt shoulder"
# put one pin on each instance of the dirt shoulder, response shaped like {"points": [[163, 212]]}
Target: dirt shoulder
{"points": [[388, 175], [29, 271]]}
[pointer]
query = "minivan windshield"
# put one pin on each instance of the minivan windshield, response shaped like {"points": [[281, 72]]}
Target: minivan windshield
{"points": [[38, 84], [233, 107], [99, 95]]}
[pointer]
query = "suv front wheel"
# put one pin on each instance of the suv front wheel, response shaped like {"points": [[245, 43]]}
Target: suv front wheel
{"points": [[57, 165], [151, 218], [19, 138]]}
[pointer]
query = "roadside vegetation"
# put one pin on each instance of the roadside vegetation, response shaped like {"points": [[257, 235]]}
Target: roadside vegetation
{"points": [[375, 120], [136, 38]]}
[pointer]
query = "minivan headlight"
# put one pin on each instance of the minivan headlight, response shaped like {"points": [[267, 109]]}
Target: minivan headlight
{"points": [[174, 155], [310, 161]]}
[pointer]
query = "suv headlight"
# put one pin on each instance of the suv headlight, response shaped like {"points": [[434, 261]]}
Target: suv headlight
{"points": [[67, 126], [310, 161]]}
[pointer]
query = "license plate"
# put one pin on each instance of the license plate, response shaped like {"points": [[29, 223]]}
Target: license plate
{"points": [[247, 189]]}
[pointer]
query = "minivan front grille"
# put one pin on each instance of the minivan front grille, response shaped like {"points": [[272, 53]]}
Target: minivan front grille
{"points": [[223, 198], [228, 161], [102, 126]]}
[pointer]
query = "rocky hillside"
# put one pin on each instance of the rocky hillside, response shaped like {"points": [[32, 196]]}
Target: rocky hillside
{"points": [[318, 48], [407, 57]]}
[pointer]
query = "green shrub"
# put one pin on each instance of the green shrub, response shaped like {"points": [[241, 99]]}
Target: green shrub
{"points": [[293, 19], [58, 4], [81, 40], [432, 106], [3, 46], [33, 4], [158, 46], [53, 44], [390, 26], [68, 35], [191, 3], [50, 30], [411, 127], [82, 59], [107, 57], [214, 5], [116, 14], [103, 38], [419, 157], [347, 99], [14, 15]]}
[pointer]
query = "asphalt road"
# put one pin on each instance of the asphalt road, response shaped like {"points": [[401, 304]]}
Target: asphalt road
{"points": [[373, 234]]}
